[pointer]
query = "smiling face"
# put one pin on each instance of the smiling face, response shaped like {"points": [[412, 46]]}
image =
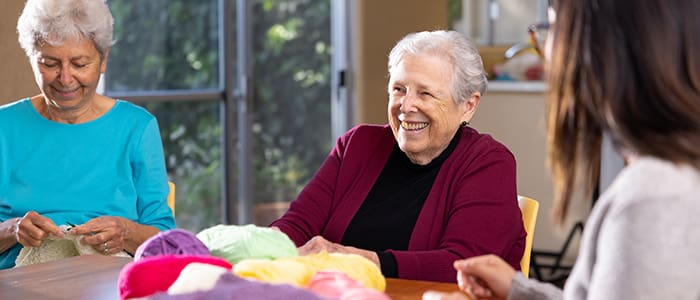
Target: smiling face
{"points": [[67, 75], [422, 113]]}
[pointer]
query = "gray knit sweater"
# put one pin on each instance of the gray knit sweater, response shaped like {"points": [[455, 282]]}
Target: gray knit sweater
{"points": [[642, 240]]}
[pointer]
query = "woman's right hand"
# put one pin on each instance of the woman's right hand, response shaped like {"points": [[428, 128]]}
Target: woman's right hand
{"points": [[32, 229], [485, 277]]}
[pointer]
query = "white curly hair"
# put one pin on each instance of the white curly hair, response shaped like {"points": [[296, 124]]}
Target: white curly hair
{"points": [[55, 21]]}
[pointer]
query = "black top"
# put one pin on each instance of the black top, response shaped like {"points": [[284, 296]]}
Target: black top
{"points": [[387, 216]]}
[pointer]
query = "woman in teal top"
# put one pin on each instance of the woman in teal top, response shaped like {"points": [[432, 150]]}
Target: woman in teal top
{"points": [[70, 155]]}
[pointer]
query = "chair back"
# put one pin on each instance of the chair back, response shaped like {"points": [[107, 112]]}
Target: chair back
{"points": [[171, 196], [529, 208]]}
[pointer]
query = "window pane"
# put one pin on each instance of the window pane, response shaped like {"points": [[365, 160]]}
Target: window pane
{"points": [[292, 119], [164, 45], [495, 22], [173, 45], [191, 133]]}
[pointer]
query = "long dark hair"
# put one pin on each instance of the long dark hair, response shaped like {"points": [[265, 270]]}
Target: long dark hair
{"points": [[630, 68]]}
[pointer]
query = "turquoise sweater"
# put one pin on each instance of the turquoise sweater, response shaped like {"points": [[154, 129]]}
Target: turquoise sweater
{"points": [[111, 166]]}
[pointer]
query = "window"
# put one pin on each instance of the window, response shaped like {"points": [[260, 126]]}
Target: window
{"points": [[499, 29], [232, 150], [495, 22]]}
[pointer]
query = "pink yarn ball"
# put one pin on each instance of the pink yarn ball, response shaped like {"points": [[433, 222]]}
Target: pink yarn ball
{"points": [[332, 284], [155, 274]]}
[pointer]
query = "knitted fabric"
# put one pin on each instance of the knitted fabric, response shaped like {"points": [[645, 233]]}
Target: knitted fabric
{"points": [[174, 242], [235, 243], [154, 274], [55, 248]]}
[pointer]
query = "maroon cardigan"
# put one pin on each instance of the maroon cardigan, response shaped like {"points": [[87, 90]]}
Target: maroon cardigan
{"points": [[472, 208]]}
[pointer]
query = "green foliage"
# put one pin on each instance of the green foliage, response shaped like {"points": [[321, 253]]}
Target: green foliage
{"points": [[454, 11], [192, 136], [170, 45], [173, 45], [164, 45], [292, 95]]}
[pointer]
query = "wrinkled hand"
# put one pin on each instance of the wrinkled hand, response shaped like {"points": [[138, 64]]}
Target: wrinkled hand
{"points": [[318, 244], [485, 277], [32, 229], [106, 234]]}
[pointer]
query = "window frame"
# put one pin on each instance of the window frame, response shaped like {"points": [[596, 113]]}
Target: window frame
{"points": [[233, 94]]}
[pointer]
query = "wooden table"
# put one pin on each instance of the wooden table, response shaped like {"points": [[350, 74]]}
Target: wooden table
{"points": [[403, 289], [80, 277], [95, 277]]}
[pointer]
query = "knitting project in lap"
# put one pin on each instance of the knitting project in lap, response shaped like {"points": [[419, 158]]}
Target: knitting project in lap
{"points": [[55, 248]]}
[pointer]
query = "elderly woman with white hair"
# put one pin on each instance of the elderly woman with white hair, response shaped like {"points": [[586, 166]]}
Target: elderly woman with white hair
{"points": [[425, 190], [70, 155]]}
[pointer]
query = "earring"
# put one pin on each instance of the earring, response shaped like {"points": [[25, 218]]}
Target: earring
{"points": [[464, 124]]}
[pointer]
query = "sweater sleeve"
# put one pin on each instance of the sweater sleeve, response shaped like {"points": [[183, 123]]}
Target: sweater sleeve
{"points": [[530, 289], [477, 213], [641, 250], [150, 179]]}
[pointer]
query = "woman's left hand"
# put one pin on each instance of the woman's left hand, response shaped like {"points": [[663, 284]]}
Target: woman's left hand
{"points": [[318, 244], [106, 234]]}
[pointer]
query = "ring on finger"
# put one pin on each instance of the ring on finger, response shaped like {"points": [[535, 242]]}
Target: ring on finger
{"points": [[104, 248], [16, 229]]}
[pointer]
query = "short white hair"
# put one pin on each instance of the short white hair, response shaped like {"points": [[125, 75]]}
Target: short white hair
{"points": [[468, 75], [55, 21]]}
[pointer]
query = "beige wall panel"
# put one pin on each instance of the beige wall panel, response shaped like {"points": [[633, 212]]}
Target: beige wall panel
{"points": [[16, 79], [379, 25]]}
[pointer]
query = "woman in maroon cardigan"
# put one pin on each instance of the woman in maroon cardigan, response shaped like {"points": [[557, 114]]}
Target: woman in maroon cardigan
{"points": [[425, 190]]}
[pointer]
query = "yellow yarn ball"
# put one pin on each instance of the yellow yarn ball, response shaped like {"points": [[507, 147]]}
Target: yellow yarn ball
{"points": [[275, 271], [355, 266]]}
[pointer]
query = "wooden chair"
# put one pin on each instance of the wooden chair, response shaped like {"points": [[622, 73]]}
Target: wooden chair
{"points": [[171, 196], [529, 208], [554, 260]]}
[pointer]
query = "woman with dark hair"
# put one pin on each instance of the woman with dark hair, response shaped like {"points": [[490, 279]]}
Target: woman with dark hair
{"points": [[630, 69]]}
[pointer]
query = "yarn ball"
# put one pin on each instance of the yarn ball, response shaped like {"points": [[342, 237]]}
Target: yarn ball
{"points": [[196, 277], [153, 274], [357, 267], [232, 287], [275, 271], [235, 242], [174, 241], [332, 284]]}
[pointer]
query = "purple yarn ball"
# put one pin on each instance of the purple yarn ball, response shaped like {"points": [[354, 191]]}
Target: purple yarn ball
{"points": [[172, 242]]}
